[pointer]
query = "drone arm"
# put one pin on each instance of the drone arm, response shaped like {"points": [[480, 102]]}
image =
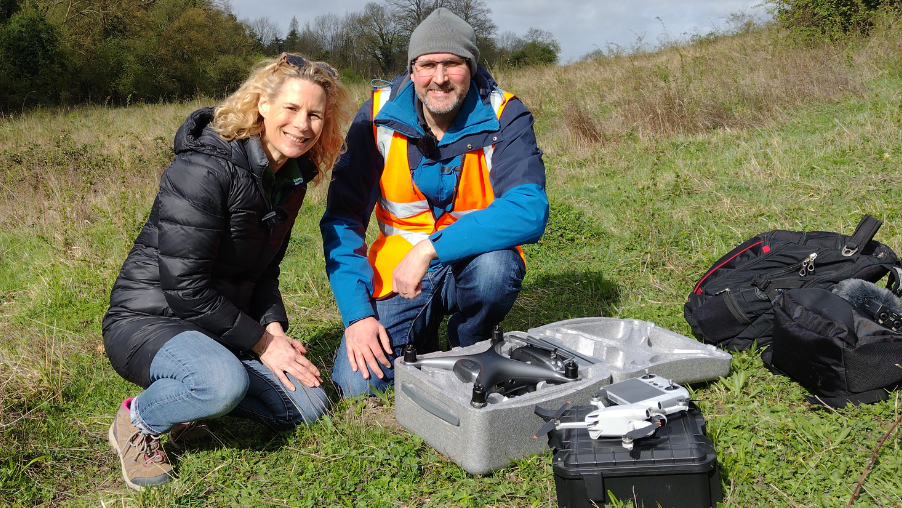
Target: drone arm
{"points": [[505, 368], [570, 425], [673, 406], [446, 363]]}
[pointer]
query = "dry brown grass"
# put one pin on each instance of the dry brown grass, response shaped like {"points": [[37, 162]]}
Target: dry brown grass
{"points": [[71, 165], [750, 79], [62, 166]]}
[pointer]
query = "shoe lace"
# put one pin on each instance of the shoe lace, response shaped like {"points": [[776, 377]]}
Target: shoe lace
{"points": [[148, 446]]}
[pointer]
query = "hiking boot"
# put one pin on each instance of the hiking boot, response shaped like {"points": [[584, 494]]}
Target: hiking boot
{"points": [[143, 462]]}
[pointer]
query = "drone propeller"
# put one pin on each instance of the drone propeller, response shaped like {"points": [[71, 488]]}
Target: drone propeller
{"points": [[640, 433], [552, 422]]}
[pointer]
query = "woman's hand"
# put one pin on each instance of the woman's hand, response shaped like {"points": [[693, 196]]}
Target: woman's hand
{"points": [[281, 354]]}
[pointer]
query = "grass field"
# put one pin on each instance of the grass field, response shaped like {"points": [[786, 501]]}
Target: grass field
{"points": [[658, 163]]}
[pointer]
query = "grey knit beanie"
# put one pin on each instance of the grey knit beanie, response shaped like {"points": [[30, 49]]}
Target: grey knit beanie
{"points": [[444, 32]]}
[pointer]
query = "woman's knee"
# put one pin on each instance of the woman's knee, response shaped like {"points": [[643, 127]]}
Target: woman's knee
{"points": [[222, 386], [307, 406], [310, 403], [211, 373]]}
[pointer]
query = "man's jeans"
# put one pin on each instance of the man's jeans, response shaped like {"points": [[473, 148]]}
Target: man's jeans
{"points": [[477, 293], [193, 377]]}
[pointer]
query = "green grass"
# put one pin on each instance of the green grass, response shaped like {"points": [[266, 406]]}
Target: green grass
{"points": [[634, 224]]}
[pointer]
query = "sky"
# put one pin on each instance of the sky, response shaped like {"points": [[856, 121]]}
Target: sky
{"points": [[580, 26]]}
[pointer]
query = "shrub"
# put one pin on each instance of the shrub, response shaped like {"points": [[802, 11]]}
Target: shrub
{"points": [[830, 19], [29, 59]]}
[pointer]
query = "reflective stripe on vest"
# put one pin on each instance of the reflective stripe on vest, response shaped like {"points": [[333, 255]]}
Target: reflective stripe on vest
{"points": [[403, 213]]}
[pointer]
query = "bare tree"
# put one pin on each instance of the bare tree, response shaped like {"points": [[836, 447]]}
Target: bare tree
{"points": [[380, 38], [509, 41], [542, 37], [225, 6], [330, 37], [263, 30], [476, 13], [410, 13]]}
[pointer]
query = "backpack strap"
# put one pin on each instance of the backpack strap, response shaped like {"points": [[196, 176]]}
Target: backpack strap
{"points": [[863, 234]]}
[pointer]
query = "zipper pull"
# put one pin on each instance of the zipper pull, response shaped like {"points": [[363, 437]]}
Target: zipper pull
{"points": [[808, 265]]}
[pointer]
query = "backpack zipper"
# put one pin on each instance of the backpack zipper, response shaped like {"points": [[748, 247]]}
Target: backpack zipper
{"points": [[698, 287], [733, 307], [803, 268], [808, 265]]}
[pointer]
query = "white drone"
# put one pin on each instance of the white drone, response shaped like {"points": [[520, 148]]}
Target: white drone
{"points": [[631, 410]]}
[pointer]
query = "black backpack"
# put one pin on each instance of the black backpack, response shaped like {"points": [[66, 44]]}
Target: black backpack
{"points": [[834, 349], [731, 306]]}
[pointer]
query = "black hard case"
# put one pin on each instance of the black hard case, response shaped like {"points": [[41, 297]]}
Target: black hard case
{"points": [[676, 468]]}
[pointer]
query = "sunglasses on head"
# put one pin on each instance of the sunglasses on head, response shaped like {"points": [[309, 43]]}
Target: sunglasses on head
{"points": [[300, 63]]}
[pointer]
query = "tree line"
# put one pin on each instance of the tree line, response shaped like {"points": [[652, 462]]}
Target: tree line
{"points": [[126, 51]]}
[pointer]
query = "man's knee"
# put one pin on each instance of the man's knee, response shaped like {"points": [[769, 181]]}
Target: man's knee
{"points": [[493, 276], [350, 384]]}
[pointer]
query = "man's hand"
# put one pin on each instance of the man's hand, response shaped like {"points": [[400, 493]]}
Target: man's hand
{"points": [[281, 354], [407, 277], [365, 341]]}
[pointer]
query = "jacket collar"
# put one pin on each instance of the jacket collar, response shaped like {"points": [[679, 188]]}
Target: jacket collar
{"points": [[195, 136], [256, 156]]}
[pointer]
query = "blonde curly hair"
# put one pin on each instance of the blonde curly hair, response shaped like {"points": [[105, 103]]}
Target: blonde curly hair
{"points": [[238, 117]]}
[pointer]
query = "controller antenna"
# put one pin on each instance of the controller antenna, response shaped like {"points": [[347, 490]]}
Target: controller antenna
{"points": [[410, 354], [497, 335], [479, 396], [571, 370]]}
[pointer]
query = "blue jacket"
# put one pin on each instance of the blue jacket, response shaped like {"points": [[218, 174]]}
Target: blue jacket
{"points": [[517, 216]]}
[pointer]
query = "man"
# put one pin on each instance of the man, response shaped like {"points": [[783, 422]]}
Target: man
{"points": [[450, 166]]}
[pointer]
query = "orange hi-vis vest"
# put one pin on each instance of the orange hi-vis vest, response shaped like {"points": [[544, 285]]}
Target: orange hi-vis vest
{"points": [[403, 213]]}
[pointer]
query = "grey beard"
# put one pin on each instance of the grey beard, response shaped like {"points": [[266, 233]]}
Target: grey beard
{"points": [[441, 111]]}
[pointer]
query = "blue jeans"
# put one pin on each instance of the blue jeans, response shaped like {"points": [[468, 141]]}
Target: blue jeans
{"points": [[477, 293], [193, 377]]}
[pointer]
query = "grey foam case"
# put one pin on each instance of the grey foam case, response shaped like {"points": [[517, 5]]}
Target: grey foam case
{"points": [[435, 405]]}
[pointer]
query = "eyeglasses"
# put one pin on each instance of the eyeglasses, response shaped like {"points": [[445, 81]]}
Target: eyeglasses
{"points": [[451, 66], [300, 63]]}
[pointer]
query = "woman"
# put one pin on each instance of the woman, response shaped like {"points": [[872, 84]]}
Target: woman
{"points": [[196, 317]]}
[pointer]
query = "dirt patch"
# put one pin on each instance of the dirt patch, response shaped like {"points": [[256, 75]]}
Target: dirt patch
{"points": [[373, 411]]}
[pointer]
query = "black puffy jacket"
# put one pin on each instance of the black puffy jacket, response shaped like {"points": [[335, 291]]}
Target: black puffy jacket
{"points": [[205, 260]]}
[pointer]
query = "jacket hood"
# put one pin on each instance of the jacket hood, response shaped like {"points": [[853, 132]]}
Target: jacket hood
{"points": [[195, 135]]}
